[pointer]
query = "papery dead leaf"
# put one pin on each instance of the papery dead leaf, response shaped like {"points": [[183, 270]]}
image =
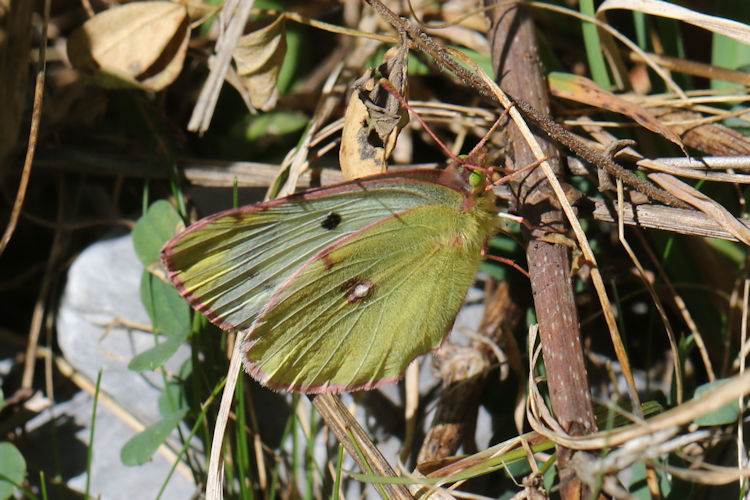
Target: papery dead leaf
{"points": [[373, 119], [141, 44], [259, 56], [581, 89], [713, 209]]}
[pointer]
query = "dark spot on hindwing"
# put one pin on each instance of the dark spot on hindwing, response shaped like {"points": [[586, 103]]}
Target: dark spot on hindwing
{"points": [[331, 221], [357, 290]]}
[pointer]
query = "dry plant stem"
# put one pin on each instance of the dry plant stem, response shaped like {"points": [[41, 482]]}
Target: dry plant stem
{"points": [[516, 62], [55, 251], [233, 18], [363, 451], [654, 297], [216, 173], [681, 306], [295, 163], [215, 478], [542, 120], [537, 412], [741, 455], [37, 316], [411, 407], [36, 115], [690, 222], [694, 68], [87, 7]]}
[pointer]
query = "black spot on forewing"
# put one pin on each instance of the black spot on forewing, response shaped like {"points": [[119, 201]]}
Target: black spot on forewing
{"points": [[331, 221], [357, 290]]}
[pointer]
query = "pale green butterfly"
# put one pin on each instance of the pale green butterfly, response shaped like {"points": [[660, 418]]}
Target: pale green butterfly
{"points": [[339, 288]]}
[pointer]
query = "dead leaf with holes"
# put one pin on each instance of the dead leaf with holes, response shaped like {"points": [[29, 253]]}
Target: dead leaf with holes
{"points": [[259, 56], [374, 118], [141, 44]]}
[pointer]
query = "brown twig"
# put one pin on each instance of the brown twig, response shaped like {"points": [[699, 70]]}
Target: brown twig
{"points": [[40, 307], [515, 59], [36, 115]]}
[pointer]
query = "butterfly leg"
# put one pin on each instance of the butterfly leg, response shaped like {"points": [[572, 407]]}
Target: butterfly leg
{"points": [[503, 260]]}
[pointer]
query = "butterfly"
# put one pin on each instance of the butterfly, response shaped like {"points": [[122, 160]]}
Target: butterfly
{"points": [[338, 288]]}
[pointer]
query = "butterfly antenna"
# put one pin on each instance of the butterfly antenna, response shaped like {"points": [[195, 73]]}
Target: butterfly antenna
{"points": [[489, 133], [506, 178]]}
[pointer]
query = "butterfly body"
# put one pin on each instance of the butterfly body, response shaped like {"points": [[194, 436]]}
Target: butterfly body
{"points": [[338, 288]]}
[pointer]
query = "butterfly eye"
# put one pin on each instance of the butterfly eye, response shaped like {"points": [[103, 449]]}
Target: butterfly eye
{"points": [[331, 221], [476, 179]]}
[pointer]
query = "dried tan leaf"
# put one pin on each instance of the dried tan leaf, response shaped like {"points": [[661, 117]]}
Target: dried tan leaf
{"points": [[357, 156], [373, 119], [710, 138], [713, 209], [581, 89], [140, 44], [259, 56]]}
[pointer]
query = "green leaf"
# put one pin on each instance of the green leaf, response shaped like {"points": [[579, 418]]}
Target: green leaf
{"points": [[169, 312], [593, 45], [12, 469], [638, 482], [274, 123], [724, 415], [140, 448], [728, 52], [186, 369], [153, 229], [638, 486], [158, 355], [2, 398], [173, 398]]}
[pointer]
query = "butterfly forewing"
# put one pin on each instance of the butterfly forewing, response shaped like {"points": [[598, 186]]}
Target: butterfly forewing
{"points": [[340, 288]]}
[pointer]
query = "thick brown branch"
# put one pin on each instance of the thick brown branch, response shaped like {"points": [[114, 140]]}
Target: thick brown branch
{"points": [[515, 59]]}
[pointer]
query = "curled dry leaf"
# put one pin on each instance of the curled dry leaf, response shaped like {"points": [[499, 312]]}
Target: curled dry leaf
{"points": [[259, 56], [713, 209], [141, 44], [581, 89], [373, 119]]}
